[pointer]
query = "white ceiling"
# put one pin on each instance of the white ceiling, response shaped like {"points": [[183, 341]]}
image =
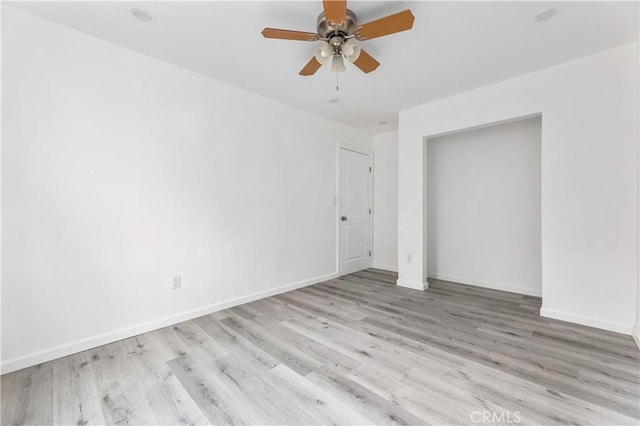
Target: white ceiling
{"points": [[453, 47]]}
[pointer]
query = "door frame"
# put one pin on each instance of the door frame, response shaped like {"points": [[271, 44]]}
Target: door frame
{"points": [[360, 150]]}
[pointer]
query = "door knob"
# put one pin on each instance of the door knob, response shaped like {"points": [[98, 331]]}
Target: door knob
{"points": [[343, 218]]}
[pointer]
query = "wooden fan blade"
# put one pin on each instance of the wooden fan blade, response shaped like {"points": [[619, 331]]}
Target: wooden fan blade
{"points": [[289, 34], [312, 66], [395, 23], [366, 62], [335, 11]]}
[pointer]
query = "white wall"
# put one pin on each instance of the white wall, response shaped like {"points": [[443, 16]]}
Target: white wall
{"points": [[589, 180], [385, 199], [484, 207], [120, 171]]}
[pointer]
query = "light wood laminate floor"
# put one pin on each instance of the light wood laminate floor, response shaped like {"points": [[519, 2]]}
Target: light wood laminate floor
{"points": [[353, 350]]}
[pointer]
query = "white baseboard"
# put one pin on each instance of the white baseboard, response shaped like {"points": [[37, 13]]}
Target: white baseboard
{"points": [[413, 285], [487, 284], [636, 334], [589, 322], [123, 333], [385, 267]]}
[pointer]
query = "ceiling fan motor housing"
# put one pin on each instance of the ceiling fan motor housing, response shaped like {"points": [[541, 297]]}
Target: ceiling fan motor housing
{"points": [[347, 28]]}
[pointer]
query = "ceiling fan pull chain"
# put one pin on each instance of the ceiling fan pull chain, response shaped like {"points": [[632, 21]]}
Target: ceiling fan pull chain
{"points": [[337, 81]]}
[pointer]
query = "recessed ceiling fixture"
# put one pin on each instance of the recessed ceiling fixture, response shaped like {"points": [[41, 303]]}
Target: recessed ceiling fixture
{"points": [[334, 101], [340, 32], [142, 15], [383, 123], [545, 15]]}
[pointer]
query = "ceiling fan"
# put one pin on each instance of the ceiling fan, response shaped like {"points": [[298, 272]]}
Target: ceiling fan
{"points": [[338, 28]]}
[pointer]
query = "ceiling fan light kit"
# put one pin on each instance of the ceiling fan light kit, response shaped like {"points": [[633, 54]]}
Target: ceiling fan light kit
{"points": [[339, 32]]}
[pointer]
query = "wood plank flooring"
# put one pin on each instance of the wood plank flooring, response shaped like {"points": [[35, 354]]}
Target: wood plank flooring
{"points": [[353, 350]]}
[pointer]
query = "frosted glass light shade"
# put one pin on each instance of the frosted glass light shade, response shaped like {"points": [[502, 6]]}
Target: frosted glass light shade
{"points": [[337, 64], [351, 50], [323, 53]]}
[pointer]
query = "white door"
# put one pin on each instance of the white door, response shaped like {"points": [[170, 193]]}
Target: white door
{"points": [[355, 211]]}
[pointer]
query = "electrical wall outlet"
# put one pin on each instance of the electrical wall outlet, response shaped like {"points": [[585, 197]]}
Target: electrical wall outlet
{"points": [[409, 258], [176, 282]]}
